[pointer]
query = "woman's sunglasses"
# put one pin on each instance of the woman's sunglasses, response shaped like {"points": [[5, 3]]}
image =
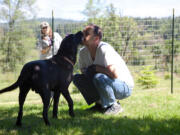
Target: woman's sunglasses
{"points": [[44, 28]]}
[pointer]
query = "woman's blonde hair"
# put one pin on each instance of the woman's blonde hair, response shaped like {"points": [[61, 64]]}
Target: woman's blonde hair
{"points": [[48, 34]]}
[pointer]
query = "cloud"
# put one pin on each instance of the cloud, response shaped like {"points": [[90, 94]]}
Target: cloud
{"points": [[72, 9], [68, 9]]}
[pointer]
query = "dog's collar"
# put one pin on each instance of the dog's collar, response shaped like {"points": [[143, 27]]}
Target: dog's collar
{"points": [[70, 61]]}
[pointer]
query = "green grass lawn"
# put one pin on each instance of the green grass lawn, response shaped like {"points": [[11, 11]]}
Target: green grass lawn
{"points": [[147, 112]]}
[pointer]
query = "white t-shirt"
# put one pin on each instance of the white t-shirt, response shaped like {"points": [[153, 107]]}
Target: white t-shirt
{"points": [[106, 55]]}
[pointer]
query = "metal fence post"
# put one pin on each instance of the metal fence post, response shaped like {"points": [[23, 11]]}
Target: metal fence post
{"points": [[52, 33], [172, 53]]}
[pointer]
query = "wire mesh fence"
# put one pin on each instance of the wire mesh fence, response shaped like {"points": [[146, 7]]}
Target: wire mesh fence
{"points": [[140, 41]]}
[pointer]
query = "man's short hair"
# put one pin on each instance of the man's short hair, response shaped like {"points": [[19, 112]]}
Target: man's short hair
{"points": [[96, 30]]}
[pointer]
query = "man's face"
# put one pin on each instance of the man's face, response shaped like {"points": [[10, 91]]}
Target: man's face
{"points": [[89, 37]]}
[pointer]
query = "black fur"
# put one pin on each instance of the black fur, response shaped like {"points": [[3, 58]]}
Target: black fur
{"points": [[44, 76]]}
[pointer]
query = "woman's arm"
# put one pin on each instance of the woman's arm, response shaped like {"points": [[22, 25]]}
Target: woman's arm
{"points": [[45, 50]]}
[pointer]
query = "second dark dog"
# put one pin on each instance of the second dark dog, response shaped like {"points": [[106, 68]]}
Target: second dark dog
{"points": [[44, 76]]}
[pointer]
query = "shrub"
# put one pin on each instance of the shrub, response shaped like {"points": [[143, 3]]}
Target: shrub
{"points": [[167, 76], [147, 77]]}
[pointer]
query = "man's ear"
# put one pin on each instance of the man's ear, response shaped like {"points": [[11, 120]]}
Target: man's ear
{"points": [[97, 39]]}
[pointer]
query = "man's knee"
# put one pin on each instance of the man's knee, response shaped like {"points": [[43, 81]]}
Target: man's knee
{"points": [[99, 78], [99, 75], [127, 94]]}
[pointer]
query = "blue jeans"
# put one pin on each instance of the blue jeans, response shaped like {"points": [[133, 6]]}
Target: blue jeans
{"points": [[110, 89]]}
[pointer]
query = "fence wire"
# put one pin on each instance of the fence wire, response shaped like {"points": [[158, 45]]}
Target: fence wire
{"points": [[141, 42]]}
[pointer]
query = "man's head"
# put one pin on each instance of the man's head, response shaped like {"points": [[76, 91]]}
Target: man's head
{"points": [[92, 34]]}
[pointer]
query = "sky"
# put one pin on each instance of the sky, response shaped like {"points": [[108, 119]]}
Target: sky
{"points": [[72, 9]]}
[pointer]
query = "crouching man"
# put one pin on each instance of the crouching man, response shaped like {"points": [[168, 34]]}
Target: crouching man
{"points": [[105, 77]]}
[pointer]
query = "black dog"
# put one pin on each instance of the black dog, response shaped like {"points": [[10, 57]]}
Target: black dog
{"points": [[44, 76]]}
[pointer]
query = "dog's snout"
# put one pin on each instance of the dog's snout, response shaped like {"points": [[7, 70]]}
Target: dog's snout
{"points": [[80, 36]]}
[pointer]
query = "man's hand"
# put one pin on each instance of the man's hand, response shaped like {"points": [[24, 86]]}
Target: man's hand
{"points": [[90, 71], [112, 72], [109, 70]]}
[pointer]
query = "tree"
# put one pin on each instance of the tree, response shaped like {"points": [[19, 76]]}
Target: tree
{"points": [[147, 77], [156, 50], [167, 51], [14, 13], [119, 31], [123, 32], [129, 32], [93, 9]]}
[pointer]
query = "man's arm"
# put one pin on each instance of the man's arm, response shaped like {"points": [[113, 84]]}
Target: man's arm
{"points": [[109, 70]]}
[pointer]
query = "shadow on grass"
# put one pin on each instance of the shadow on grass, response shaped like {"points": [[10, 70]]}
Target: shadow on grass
{"points": [[85, 123]]}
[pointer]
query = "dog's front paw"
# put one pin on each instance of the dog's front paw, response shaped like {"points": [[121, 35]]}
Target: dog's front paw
{"points": [[48, 124], [55, 117], [19, 124], [72, 114]]}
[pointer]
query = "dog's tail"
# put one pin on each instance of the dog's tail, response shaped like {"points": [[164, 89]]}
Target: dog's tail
{"points": [[10, 88]]}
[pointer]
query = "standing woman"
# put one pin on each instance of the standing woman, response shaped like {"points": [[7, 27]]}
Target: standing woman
{"points": [[44, 43]]}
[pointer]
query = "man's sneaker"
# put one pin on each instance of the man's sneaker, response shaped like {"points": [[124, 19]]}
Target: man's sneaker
{"points": [[114, 109], [96, 107]]}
